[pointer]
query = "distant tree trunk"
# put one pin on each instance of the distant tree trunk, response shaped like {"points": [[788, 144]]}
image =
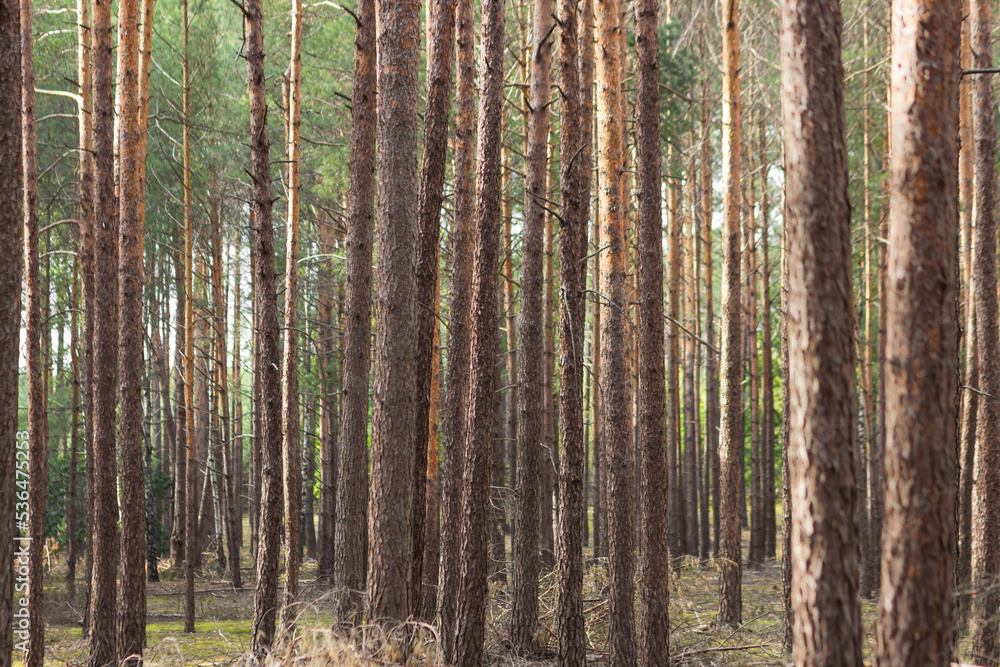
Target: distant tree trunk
{"points": [[11, 256], [132, 609], [440, 48], [617, 427], [471, 604], [755, 555], [237, 392], [654, 568], [918, 560], [549, 453], [767, 360], [38, 468], [453, 418], [72, 501], [572, 320], [180, 454], [821, 346], [510, 309], [731, 409], [498, 544], [266, 593], [530, 371], [104, 531], [291, 445], [677, 530], [390, 524], [986, 489], [689, 236], [351, 533], [788, 615], [327, 409]]}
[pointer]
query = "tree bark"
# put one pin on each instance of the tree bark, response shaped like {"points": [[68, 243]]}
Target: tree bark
{"points": [[471, 603], [677, 530], [327, 409], [731, 408], [915, 617], [654, 568], [351, 533], [821, 346], [390, 524]]}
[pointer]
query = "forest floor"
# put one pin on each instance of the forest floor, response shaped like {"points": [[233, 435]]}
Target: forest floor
{"points": [[224, 618]]}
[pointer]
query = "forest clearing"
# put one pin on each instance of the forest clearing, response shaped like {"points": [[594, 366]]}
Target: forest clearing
{"points": [[499, 332]]}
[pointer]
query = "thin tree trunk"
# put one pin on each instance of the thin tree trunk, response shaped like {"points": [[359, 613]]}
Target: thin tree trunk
{"points": [[440, 49], [180, 446], [72, 499], [351, 532], [453, 420], [390, 526], [731, 408], [788, 614], [432, 494], [291, 446], [821, 347], [690, 418], [327, 409], [654, 568], [918, 560], [677, 530], [767, 360], [132, 609], [266, 593], [471, 604]]}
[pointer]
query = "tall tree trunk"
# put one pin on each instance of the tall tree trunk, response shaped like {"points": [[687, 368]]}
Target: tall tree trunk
{"points": [[327, 408], [690, 419], [38, 468], [654, 568], [266, 593], [572, 320], [918, 560], [530, 371], [731, 394], [457, 372], [104, 531], [549, 453], [291, 446], [617, 427], [471, 604], [180, 456], [986, 489], [351, 532], [755, 555], [788, 613], [432, 494], [132, 609], [821, 346], [73, 491], [440, 49], [390, 526], [677, 530], [11, 256], [767, 360]]}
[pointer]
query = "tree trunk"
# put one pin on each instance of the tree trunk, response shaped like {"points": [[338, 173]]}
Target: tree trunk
{"points": [[11, 257], [731, 409], [755, 555], [132, 609], [986, 489], [689, 236], [104, 530], [788, 613], [767, 360], [432, 494], [677, 535], [390, 526], [918, 561], [471, 603], [530, 371], [453, 420], [180, 445], [440, 49], [291, 446], [266, 593], [654, 568], [351, 532], [821, 347]]}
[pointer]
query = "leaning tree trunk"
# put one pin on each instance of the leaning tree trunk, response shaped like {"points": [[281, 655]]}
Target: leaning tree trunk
{"points": [[475, 515], [654, 567], [922, 328], [731, 391], [821, 341], [351, 530]]}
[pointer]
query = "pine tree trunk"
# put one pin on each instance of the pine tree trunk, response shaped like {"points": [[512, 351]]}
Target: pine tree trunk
{"points": [[677, 530], [690, 418], [351, 532], [291, 445], [471, 603], [11, 256], [654, 567], [530, 369], [767, 360], [986, 489], [432, 494], [104, 531], [922, 337], [390, 525], [180, 445], [731, 394], [132, 609], [266, 593], [755, 555], [440, 49], [327, 409], [453, 421], [788, 614], [821, 346]]}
